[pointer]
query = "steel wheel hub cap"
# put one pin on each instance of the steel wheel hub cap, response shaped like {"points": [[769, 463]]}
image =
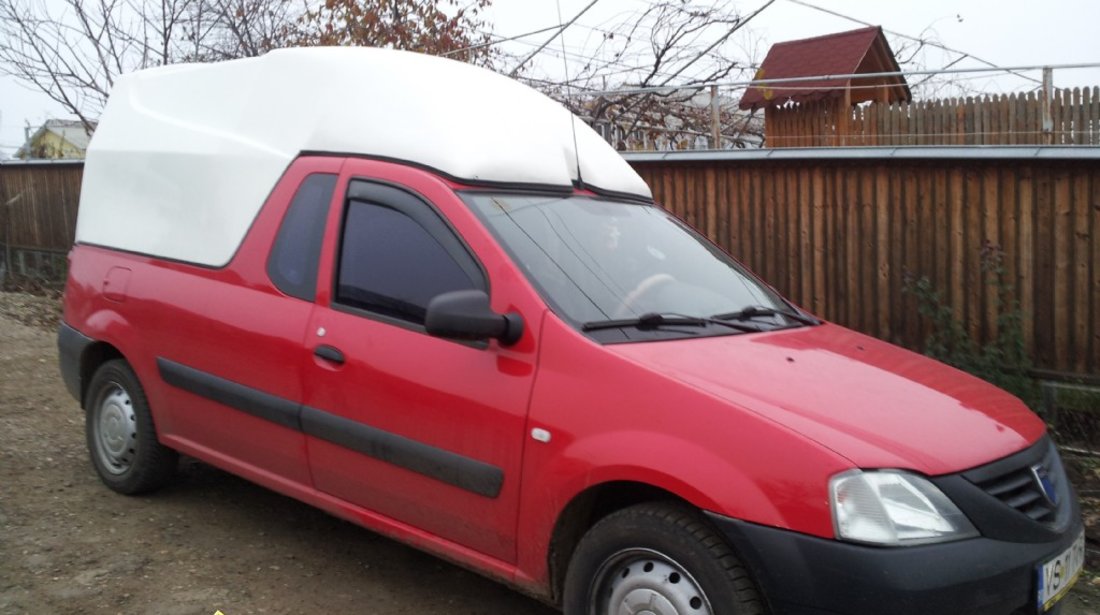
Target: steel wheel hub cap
{"points": [[651, 584], [116, 431]]}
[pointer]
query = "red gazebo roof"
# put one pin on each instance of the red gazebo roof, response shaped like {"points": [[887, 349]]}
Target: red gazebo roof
{"points": [[857, 51]]}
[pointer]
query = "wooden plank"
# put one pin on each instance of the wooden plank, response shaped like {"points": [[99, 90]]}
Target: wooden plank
{"points": [[805, 237], [915, 122], [780, 244], [883, 214], [1078, 118], [991, 237], [936, 198], [1087, 118], [995, 110], [768, 240], [1013, 124], [740, 187], [722, 193], [1055, 137], [727, 194], [1063, 256], [851, 246], [831, 235], [959, 125], [818, 255], [710, 195], [1007, 213], [974, 291], [867, 259], [956, 288], [1026, 248], [1083, 317], [756, 218], [1044, 267], [1094, 267], [747, 217], [1095, 113], [912, 191], [689, 205], [794, 241]]}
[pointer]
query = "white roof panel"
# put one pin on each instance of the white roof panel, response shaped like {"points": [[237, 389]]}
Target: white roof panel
{"points": [[185, 155]]}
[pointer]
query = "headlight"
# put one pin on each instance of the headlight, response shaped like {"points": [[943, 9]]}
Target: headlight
{"points": [[894, 508]]}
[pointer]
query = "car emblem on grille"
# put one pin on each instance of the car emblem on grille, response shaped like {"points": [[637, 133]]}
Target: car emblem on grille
{"points": [[1046, 486]]}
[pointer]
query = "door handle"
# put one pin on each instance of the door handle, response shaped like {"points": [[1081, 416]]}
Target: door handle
{"points": [[329, 354]]}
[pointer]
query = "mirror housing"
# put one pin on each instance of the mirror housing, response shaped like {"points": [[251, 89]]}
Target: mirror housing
{"points": [[466, 315]]}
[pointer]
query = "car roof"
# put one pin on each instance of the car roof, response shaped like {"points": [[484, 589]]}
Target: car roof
{"points": [[185, 155]]}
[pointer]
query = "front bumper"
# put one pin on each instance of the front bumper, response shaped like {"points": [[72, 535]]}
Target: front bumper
{"points": [[806, 575], [995, 574]]}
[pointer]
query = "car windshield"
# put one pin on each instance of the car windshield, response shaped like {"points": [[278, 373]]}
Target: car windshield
{"points": [[600, 261]]}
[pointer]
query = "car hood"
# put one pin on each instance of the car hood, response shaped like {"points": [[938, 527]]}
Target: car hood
{"points": [[876, 404]]}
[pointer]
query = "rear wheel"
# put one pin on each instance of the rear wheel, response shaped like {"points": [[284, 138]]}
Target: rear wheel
{"points": [[660, 559], [122, 439]]}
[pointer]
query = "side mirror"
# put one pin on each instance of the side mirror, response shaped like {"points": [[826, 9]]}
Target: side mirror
{"points": [[466, 315]]}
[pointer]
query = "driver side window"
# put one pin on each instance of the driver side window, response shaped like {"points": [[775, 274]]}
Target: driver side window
{"points": [[396, 254]]}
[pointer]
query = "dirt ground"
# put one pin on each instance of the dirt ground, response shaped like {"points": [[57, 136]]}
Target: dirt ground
{"points": [[210, 541]]}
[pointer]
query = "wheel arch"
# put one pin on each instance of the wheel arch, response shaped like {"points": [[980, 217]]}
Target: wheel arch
{"points": [[96, 354], [585, 510]]}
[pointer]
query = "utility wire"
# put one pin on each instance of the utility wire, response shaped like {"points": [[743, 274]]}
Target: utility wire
{"points": [[551, 39], [760, 82], [912, 38], [500, 39], [737, 26]]}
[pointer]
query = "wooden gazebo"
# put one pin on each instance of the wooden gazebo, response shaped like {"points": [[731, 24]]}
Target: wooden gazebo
{"points": [[824, 105]]}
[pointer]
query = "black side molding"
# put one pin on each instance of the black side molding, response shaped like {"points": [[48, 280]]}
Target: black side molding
{"points": [[71, 345], [451, 468], [246, 399]]}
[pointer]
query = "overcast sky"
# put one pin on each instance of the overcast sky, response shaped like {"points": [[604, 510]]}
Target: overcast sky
{"points": [[1005, 32]]}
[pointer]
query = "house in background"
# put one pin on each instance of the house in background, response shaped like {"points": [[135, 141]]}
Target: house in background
{"points": [[825, 103], [56, 140]]}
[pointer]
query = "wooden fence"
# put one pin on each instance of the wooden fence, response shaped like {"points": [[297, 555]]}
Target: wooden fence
{"points": [[834, 233], [38, 203], [1007, 119], [838, 234]]}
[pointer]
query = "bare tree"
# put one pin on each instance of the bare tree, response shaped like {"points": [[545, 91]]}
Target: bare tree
{"points": [[73, 54], [676, 45], [74, 50]]}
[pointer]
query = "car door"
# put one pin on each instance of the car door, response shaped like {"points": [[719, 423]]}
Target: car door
{"points": [[229, 342], [424, 430]]}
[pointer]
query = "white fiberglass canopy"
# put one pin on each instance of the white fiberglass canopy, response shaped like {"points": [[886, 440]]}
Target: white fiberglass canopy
{"points": [[185, 155]]}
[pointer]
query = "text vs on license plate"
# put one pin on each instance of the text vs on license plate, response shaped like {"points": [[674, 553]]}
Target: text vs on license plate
{"points": [[1057, 575]]}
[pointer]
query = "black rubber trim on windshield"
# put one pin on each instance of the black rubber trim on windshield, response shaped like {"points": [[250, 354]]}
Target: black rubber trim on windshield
{"points": [[463, 472]]}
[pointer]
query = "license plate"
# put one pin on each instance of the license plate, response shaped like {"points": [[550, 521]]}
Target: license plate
{"points": [[1059, 574]]}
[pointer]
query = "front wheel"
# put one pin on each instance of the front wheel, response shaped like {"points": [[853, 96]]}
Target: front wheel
{"points": [[122, 439], [658, 558]]}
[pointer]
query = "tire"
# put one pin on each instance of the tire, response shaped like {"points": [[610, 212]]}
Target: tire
{"points": [[660, 558], [121, 437]]}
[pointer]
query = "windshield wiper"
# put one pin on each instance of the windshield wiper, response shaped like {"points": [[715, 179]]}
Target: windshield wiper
{"points": [[653, 320], [753, 311]]}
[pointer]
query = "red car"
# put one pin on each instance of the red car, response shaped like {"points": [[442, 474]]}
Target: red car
{"points": [[426, 299]]}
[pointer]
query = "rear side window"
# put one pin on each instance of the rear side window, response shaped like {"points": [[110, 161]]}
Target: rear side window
{"points": [[292, 265], [397, 255]]}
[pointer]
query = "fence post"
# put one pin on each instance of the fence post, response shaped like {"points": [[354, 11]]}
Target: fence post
{"points": [[8, 206], [715, 120], [1048, 120]]}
